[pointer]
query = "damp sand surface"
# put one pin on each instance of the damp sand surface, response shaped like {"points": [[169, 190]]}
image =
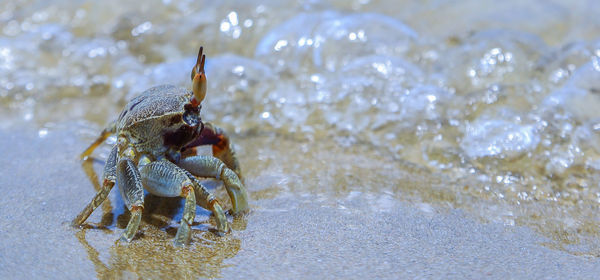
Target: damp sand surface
{"points": [[303, 236], [447, 138]]}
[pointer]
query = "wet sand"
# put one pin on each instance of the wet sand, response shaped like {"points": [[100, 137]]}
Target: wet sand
{"points": [[303, 234]]}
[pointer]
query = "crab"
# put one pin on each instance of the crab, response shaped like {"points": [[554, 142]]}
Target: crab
{"points": [[157, 135]]}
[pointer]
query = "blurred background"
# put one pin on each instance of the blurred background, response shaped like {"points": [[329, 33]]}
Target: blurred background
{"points": [[490, 107]]}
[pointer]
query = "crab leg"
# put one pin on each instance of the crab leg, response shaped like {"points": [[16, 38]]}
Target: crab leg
{"points": [[208, 201], [208, 166], [132, 191], [109, 130], [110, 170], [221, 146], [164, 178]]}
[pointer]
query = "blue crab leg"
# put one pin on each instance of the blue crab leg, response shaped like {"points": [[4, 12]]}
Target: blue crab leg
{"points": [[108, 181], [108, 131], [208, 201], [132, 191], [164, 178], [189, 213], [208, 166], [221, 146]]}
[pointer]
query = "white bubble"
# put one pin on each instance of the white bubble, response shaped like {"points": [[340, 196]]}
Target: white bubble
{"points": [[42, 133], [494, 137]]}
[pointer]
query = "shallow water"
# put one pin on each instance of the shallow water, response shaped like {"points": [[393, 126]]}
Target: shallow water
{"points": [[483, 106]]}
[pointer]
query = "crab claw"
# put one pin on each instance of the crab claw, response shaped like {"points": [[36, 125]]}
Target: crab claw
{"points": [[198, 80]]}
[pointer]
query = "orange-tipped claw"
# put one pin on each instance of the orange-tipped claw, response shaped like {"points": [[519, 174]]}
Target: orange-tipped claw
{"points": [[199, 79]]}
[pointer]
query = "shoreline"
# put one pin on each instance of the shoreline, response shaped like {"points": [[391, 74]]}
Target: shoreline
{"points": [[304, 236]]}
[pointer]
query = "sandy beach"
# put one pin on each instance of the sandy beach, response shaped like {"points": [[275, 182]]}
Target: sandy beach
{"points": [[300, 236], [377, 139]]}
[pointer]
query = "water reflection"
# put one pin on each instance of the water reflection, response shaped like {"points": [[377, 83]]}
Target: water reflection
{"points": [[151, 254], [152, 257]]}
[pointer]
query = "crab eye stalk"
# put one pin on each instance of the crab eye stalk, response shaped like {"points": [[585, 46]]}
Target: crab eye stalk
{"points": [[199, 87], [198, 79]]}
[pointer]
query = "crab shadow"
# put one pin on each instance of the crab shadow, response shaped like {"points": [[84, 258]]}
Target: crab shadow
{"points": [[151, 254]]}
